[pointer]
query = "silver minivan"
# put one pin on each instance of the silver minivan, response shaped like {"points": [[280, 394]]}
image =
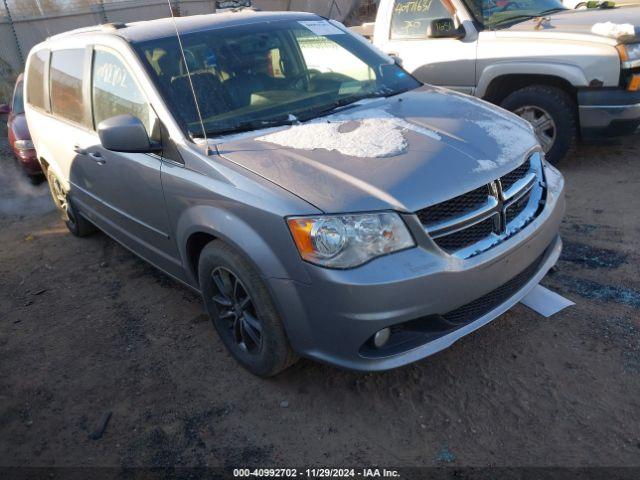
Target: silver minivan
{"points": [[324, 202]]}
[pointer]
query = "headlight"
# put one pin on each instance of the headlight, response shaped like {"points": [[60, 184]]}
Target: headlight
{"points": [[24, 145], [629, 55], [345, 241]]}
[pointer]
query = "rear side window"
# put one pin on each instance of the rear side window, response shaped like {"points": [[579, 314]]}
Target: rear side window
{"points": [[67, 71], [115, 92], [18, 103], [35, 76], [412, 17]]}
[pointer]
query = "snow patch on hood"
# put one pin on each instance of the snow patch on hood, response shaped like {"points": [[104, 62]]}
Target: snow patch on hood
{"points": [[485, 166], [615, 30], [511, 138], [370, 133]]}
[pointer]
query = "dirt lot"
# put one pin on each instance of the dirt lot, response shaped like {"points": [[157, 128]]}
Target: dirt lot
{"points": [[88, 328]]}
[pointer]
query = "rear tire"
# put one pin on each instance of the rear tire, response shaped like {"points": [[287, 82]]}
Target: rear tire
{"points": [[551, 111], [242, 311], [75, 222]]}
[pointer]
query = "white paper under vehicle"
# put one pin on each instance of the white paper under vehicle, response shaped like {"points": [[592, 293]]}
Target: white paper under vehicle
{"points": [[545, 302]]}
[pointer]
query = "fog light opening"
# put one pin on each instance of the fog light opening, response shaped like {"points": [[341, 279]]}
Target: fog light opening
{"points": [[381, 337]]}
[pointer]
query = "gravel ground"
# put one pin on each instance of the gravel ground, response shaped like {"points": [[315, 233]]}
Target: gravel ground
{"points": [[87, 328]]}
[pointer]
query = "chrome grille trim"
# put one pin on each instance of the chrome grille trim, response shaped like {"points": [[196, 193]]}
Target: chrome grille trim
{"points": [[525, 184], [451, 226], [511, 210]]}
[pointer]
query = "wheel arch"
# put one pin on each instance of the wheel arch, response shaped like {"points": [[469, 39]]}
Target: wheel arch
{"points": [[200, 225], [502, 86]]}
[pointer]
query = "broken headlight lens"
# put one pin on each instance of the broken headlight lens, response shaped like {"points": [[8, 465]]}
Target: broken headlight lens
{"points": [[346, 241]]}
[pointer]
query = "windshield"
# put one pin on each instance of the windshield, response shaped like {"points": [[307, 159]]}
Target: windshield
{"points": [[265, 74], [502, 13]]}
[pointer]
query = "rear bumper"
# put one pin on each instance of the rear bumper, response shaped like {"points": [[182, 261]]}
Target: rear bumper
{"points": [[333, 318], [29, 161], [608, 112]]}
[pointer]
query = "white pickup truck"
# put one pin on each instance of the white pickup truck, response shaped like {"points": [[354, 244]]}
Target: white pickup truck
{"points": [[572, 74]]}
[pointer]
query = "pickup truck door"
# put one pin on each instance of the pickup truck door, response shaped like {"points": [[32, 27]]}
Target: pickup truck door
{"points": [[401, 30]]}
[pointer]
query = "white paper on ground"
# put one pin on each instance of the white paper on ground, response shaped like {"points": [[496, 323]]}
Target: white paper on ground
{"points": [[545, 302]]}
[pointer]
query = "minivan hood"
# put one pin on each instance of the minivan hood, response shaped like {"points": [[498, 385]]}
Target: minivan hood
{"points": [[453, 143], [576, 22]]}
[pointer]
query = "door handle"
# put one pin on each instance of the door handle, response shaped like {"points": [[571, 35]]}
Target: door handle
{"points": [[79, 150], [97, 157]]}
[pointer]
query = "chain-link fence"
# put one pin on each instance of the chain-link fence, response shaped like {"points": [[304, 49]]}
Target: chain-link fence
{"points": [[24, 23]]}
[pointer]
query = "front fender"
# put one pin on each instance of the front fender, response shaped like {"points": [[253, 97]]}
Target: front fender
{"points": [[277, 258], [570, 73]]}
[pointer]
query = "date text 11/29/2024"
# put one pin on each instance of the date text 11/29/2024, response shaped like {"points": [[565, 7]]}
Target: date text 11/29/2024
{"points": [[315, 473]]}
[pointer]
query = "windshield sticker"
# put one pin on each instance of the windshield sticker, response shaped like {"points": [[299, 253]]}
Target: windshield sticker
{"points": [[321, 27], [347, 88]]}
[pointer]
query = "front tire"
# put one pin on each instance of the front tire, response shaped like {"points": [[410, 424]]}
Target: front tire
{"points": [[551, 112], [242, 311], [75, 222]]}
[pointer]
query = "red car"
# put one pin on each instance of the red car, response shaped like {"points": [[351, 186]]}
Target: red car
{"points": [[19, 136]]}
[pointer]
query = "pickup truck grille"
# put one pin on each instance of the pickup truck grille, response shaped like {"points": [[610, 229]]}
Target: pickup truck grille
{"points": [[478, 220]]}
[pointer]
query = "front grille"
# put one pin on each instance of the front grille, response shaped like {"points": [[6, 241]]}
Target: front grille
{"points": [[455, 207], [478, 220], [517, 207], [483, 305], [467, 236], [513, 176]]}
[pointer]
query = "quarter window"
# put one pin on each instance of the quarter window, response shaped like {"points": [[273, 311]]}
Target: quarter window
{"points": [[35, 77], [66, 84], [115, 92], [18, 104], [411, 18]]}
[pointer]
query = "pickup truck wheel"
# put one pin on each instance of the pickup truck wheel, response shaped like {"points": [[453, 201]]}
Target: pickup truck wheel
{"points": [[75, 222], [551, 112], [242, 311]]}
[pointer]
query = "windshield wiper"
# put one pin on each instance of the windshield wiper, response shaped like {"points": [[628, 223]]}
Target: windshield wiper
{"points": [[328, 109], [552, 10], [524, 18], [239, 127], [343, 102]]}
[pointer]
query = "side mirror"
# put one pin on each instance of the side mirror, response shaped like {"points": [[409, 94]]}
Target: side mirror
{"points": [[125, 133], [5, 109], [444, 28]]}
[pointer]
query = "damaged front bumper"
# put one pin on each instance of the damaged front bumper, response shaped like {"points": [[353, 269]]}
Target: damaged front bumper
{"points": [[427, 299]]}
